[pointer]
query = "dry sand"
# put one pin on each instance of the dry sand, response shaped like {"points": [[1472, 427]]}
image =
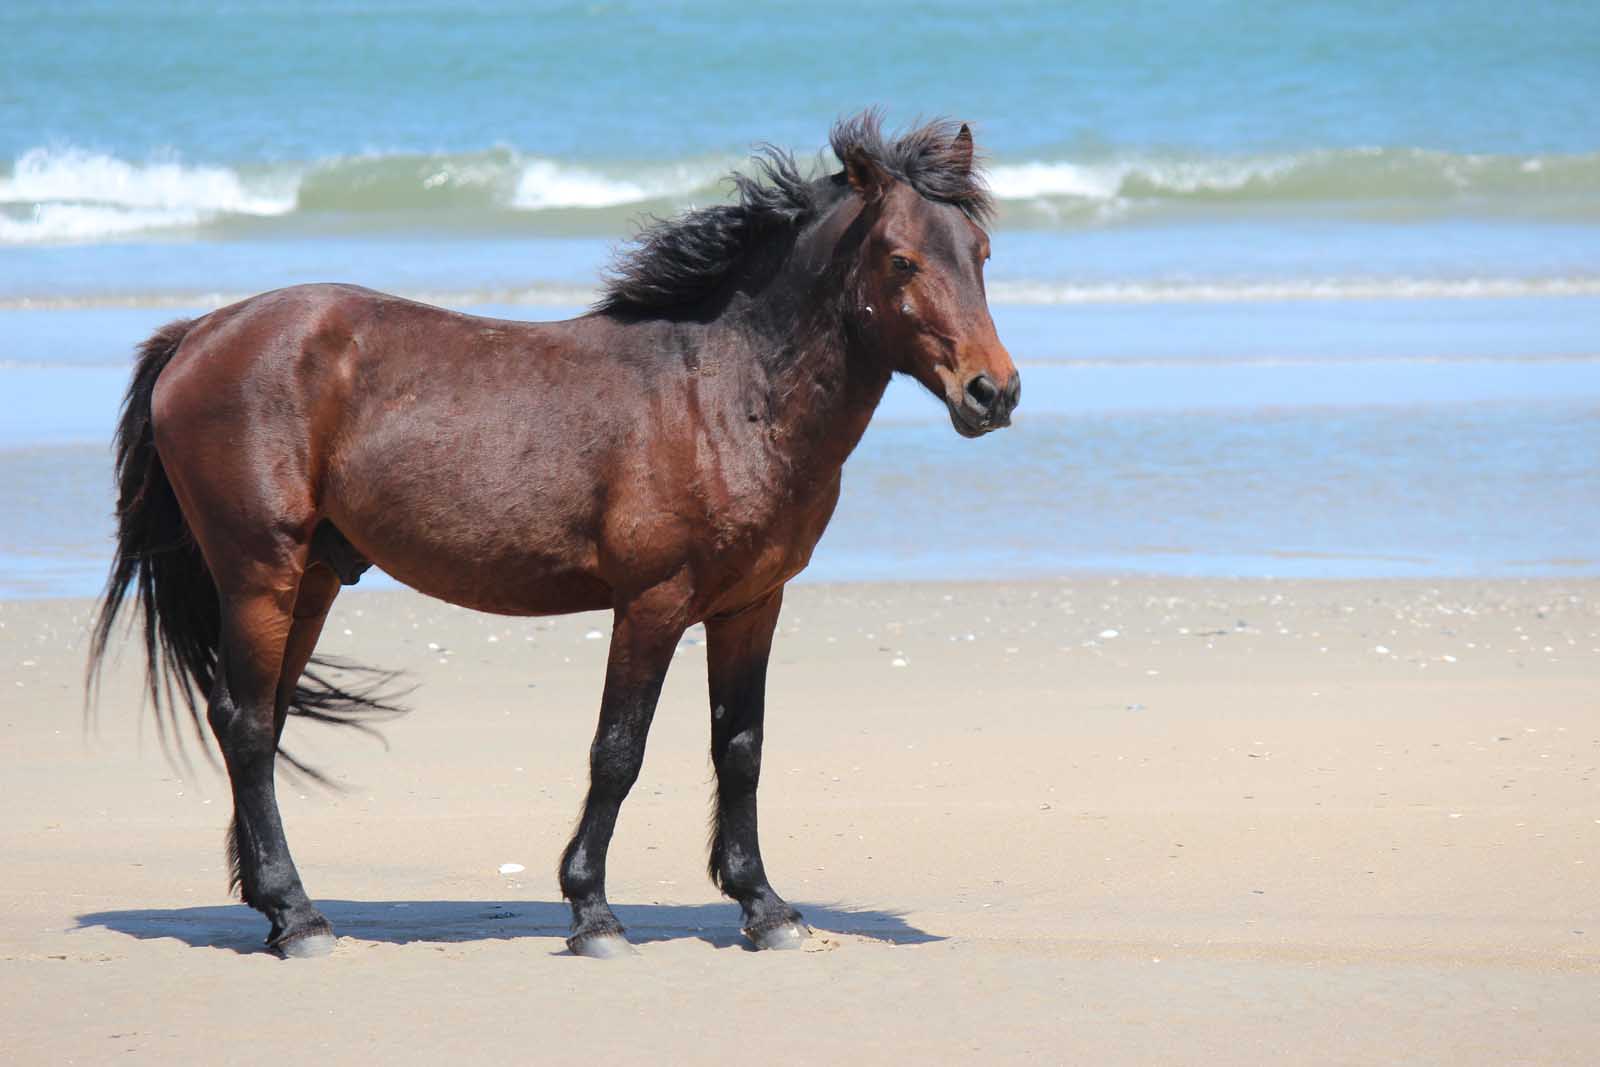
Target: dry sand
{"points": [[1090, 822]]}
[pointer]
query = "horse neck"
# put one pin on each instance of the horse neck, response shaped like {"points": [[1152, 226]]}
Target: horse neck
{"points": [[822, 389]]}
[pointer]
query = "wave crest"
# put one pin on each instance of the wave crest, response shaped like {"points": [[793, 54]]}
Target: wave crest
{"points": [[70, 194], [1347, 176]]}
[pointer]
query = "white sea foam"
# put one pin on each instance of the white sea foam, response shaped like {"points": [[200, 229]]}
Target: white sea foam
{"points": [[71, 194], [1026, 181], [43, 175], [84, 222], [545, 184], [68, 194], [1416, 175], [1114, 179]]}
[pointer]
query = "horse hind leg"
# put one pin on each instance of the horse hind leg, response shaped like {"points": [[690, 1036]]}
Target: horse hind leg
{"points": [[260, 639]]}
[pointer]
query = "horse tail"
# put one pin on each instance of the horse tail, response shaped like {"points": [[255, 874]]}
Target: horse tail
{"points": [[157, 558], [156, 553]]}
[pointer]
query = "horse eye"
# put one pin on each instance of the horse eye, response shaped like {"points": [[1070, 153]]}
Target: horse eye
{"points": [[901, 263]]}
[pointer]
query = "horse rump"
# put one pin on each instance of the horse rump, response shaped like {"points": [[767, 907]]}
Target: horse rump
{"points": [[157, 558]]}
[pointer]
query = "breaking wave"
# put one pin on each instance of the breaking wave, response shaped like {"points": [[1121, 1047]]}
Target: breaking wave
{"points": [[67, 194], [72, 195], [1393, 181]]}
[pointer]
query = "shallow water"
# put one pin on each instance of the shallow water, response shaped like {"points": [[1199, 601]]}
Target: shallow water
{"points": [[1303, 468]]}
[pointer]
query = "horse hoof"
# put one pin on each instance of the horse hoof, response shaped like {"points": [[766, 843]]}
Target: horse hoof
{"points": [[602, 947], [306, 946], [789, 935]]}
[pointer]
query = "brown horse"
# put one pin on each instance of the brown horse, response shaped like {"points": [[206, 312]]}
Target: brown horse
{"points": [[673, 455]]}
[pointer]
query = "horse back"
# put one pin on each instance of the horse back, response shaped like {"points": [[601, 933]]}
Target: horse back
{"points": [[509, 466]]}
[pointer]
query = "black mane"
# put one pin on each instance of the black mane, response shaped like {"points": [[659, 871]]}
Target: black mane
{"points": [[679, 261]]}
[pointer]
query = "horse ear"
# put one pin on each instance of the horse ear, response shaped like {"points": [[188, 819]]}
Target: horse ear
{"points": [[961, 149], [864, 174]]}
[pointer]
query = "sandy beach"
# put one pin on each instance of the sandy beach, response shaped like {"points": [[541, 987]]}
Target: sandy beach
{"points": [[1086, 821]]}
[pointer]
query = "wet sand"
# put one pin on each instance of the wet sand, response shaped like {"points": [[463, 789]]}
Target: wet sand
{"points": [[1091, 821]]}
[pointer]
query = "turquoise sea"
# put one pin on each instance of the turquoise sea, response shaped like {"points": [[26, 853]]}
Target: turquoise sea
{"points": [[1303, 289]]}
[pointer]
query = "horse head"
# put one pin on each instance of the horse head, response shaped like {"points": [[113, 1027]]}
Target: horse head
{"points": [[918, 282]]}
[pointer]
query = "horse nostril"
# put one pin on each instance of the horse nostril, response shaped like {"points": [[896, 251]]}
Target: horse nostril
{"points": [[1014, 391], [982, 392]]}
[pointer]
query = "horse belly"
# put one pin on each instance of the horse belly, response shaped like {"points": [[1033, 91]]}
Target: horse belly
{"points": [[472, 531]]}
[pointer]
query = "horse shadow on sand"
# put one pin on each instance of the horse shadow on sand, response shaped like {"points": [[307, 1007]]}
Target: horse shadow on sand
{"points": [[237, 928]]}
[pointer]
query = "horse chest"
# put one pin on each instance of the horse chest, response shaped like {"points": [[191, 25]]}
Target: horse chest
{"points": [[765, 536], [753, 490]]}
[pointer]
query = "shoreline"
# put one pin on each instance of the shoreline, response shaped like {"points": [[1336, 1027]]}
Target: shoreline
{"points": [[1108, 820]]}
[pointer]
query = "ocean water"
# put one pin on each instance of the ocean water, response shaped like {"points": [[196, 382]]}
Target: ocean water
{"points": [[1297, 289]]}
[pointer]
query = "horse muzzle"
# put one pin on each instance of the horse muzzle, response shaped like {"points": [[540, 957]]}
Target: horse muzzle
{"points": [[984, 405]]}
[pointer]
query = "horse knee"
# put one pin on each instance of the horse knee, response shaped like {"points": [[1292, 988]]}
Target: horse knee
{"points": [[612, 773], [615, 759], [240, 733]]}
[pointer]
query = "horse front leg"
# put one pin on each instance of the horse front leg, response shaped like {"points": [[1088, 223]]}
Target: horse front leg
{"points": [[737, 649], [643, 636]]}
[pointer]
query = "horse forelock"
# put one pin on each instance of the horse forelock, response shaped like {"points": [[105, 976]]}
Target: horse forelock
{"points": [[677, 262], [929, 158]]}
